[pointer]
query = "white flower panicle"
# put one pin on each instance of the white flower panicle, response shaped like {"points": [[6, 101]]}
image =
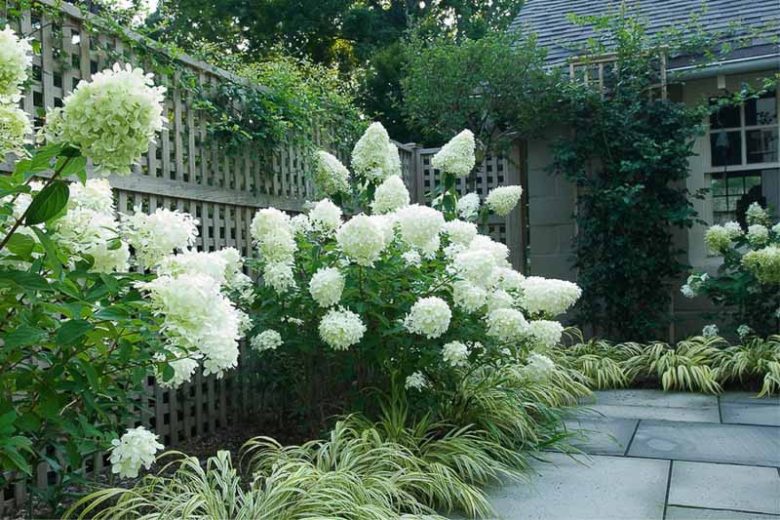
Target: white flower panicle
{"points": [[14, 127], [325, 217], [84, 231], [361, 239], [279, 276], [468, 297], [419, 225], [538, 367], [183, 370], [341, 328], [499, 251], [475, 266], [267, 340], [455, 354], [506, 325], [755, 214], [96, 195], [197, 319], [274, 235], [757, 235], [468, 206], [374, 157], [429, 317], [412, 258], [546, 333], [326, 286], [416, 381], [390, 195], [157, 235], [548, 296], [267, 221], [300, 224], [719, 237], [15, 61], [502, 200], [457, 156], [499, 299], [111, 119], [212, 264], [764, 263], [510, 280], [137, 448], [330, 175], [710, 331], [460, 232]]}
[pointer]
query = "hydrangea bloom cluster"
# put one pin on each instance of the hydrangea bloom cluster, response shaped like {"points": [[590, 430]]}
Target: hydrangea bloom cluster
{"points": [[111, 119], [468, 206], [416, 381], [757, 235], [507, 325], [719, 237], [362, 240], [137, 448], [429, 317], [326, 286], [502, 200], [374, 157], [15, 61], [267, 340], [457, 156], [14, 127], [764, 264], [468, 297], [694, 284], [390, 195], [710, 331], [420, 226], [460, 232], [341, 328], [538, 367], [325, 216], [549, 297], [455, 354], [330, 176], [155, 236], [755, 214], [546, 333]]}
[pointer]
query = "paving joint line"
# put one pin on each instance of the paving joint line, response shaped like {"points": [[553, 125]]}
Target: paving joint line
{"points": [[720, 410], [706, 462], [668, 489], [704, 508], [631, 440]]}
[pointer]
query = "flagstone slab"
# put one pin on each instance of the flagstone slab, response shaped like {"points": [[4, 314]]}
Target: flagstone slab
{"points": [[656, 398], [695, 513], [598, 487], [748, 398], [605, 436], [704, 414], [691, 441], [725, 486], [744, 413]]}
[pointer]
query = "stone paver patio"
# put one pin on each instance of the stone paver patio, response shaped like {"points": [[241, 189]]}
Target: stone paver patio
{"points": [[659, 456]]}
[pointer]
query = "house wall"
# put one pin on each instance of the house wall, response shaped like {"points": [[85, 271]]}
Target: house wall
{"points": [[552, 201]]}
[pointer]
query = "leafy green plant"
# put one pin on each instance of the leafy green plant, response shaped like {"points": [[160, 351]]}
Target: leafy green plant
{"points": [[756, 358]]}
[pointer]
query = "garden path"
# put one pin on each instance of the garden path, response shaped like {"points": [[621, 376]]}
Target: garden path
{"points": [[659, 456]]}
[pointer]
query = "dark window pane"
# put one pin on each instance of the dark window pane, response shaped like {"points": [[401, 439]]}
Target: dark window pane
{"points": [[761, 145], [726, 148], [718, 186], [735, 185], [725, 117], [762, 111]]}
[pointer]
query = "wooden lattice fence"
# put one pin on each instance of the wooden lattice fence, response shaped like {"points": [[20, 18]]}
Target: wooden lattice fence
{"points": [[188, 170]]}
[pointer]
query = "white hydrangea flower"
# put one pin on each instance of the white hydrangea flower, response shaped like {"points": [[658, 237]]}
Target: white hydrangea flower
{"points": [[757, 235], [548, 296], [419, 225], [326, 286], [506, 325], [538, 367], [361, 239], [468, 297], [269, 339], [455, 354], [374, 157], [460, 232], [183, 370], [266, 221], [212, 264], [274, 235], [457, 156], [468, 206], [499, 299], [718, 238], [330, 176], [157, 235], [96, 195], [15, 61], [279, 276], [390, 195], [197, 319], [416, 381], [502, 200], [743, 331], [14, 127], [136, 448], [429, 317], [412, 258], [547, 333], [111, 119], [300, 224], [755, 214], [687, 291], [387, 224], [325, 216], [83, 231], [509, 280], [341, 328], [499, 251], [476, 266], [710, 331]]}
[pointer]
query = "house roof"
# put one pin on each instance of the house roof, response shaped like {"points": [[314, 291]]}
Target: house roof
{"points": [[548, 19]]}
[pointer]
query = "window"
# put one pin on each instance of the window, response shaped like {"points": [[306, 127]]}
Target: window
{"points": [[744, 153]]}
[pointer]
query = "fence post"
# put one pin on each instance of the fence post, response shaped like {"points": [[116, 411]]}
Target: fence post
{"points": [[514, 221]]}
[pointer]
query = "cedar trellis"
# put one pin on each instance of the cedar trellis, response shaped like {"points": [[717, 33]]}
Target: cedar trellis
{"points": [[188, 170]]}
